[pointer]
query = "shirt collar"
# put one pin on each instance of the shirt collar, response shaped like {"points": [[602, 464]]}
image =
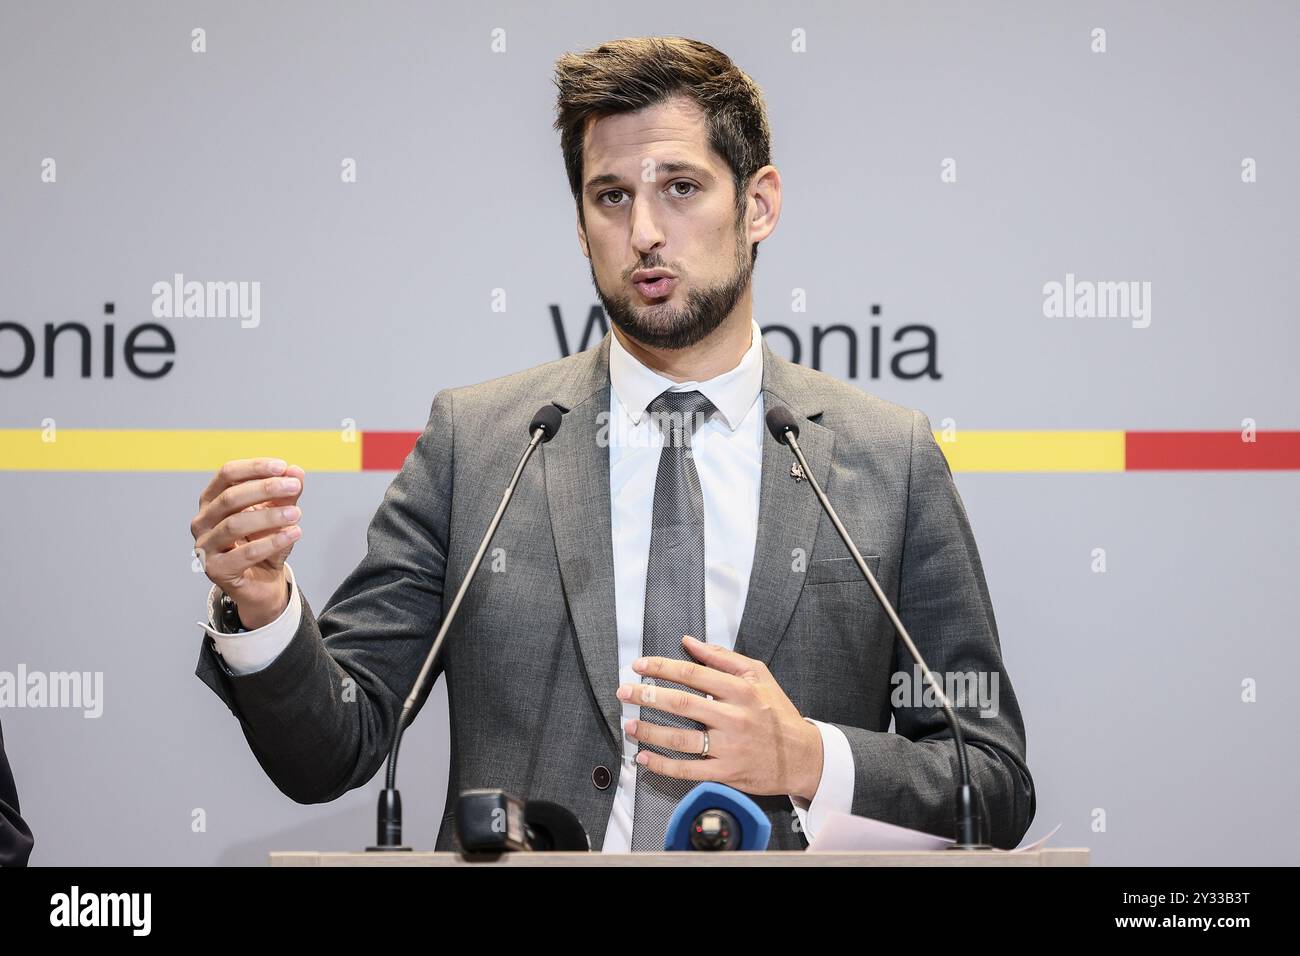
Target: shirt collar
{"points": [[732, 393]]}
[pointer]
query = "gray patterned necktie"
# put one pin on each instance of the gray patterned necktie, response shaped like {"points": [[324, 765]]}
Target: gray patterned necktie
{"points": [[674, 596]]}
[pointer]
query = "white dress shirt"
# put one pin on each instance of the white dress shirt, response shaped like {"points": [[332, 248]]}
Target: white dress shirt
{"points": [[728, 454]]}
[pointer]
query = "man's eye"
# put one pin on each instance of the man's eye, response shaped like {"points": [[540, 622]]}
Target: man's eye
{"points": [[691, 189]]}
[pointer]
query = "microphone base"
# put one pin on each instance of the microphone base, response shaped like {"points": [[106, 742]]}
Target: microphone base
{"points": [[388, 832], [969, 832]]}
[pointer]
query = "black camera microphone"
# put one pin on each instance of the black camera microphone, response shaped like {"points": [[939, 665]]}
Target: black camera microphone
{"points": [[494, 821]]}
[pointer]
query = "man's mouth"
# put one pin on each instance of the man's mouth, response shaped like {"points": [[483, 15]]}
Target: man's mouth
{"points": [[656, 288]]}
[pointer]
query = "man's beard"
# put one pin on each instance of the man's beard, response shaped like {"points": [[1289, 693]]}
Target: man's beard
{"points": [[667, 326]]}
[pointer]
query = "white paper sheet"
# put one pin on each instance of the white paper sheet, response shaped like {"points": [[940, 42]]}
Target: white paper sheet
{"points": [[843, 831]]}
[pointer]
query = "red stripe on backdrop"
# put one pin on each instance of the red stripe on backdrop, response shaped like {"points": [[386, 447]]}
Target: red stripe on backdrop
{"points": [[385, 451], [1211, 451]]}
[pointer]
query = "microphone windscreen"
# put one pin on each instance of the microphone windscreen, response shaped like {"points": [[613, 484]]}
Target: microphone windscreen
{"points": [[555, 828], [548, 419], [755, 828], [779, 420]]}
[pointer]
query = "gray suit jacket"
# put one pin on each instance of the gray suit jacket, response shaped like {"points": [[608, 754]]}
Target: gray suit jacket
{"points": [[531, 663]]}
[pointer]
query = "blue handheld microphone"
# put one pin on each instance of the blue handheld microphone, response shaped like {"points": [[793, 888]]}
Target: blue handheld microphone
{"points": [[714, 817]]}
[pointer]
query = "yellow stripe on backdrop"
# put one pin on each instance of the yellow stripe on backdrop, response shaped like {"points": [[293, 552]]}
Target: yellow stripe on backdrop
{"points": [[72, 449], [324, 451], [1010, 451]]}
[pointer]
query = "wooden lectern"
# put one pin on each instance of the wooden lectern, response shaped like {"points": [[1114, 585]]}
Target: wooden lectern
{"points": [[1043, 857]]}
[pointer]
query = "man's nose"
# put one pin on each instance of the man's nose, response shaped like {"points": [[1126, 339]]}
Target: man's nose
{"points": [[646, 231]]}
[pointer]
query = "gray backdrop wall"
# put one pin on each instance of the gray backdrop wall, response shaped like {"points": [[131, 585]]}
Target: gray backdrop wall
{"points": [[1123, 165]]}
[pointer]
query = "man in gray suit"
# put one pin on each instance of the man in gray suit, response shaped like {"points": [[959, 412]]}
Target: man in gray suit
{"points": [[664, 602]]}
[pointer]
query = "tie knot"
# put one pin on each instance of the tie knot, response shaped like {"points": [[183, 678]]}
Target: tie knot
{"points": [[679, 414]]}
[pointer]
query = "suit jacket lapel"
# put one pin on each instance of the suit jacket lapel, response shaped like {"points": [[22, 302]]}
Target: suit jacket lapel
{"points": [[577, 493], [789, 514]]}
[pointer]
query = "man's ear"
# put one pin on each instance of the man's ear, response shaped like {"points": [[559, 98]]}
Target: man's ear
{"points": [[582, 236], [765, 190]]}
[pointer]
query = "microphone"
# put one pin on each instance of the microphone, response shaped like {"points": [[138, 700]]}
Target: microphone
{"points": [[494, 821], [969, 816], [715, 817], [543, 428]]}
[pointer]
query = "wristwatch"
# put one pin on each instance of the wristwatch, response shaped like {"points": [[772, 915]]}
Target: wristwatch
{"points": [[230, 622]]}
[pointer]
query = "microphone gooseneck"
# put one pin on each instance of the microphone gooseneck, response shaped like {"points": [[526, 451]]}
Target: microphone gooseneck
{"points": [[543, 428], [969, 817]]}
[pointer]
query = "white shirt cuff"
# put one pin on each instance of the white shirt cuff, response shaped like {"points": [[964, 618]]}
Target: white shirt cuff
{"points": [[835, 791], [250, 651]]}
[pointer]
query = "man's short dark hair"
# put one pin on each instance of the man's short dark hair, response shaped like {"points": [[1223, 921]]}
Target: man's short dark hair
{"points": [[626, 75]]}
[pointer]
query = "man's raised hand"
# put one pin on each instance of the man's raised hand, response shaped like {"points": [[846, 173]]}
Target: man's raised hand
{"points": [[245, 527]]}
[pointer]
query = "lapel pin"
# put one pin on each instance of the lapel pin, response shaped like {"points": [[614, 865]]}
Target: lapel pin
{"points": [[796, 472]]}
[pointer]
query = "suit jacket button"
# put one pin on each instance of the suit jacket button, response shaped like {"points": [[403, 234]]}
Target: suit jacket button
{"points": [[601, 777]]}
